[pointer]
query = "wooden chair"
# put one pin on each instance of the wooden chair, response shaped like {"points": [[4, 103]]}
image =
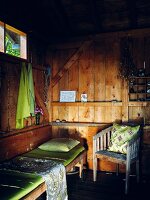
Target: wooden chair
{"points": [[101, 143]]}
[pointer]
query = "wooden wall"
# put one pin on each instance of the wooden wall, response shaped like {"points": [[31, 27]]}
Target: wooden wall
{"points": [[8, 91], [86, 67], [19, 142], [95, 72], [10, 70]]}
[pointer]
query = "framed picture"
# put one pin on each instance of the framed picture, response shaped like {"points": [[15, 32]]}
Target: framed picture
{"points": [[67, 96]]}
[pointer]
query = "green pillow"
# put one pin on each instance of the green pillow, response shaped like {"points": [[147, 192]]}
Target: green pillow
{"points": [[121, 135], [59, 145]]}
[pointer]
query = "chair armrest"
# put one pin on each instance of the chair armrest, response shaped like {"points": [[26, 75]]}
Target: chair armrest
{"points": [[133, 147], [133, 140]]}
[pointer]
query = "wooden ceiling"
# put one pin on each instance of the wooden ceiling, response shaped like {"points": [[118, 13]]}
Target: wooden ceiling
{"points": [[59, 19]]}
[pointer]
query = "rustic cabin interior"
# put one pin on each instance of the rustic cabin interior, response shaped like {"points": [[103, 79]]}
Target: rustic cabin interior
{"points": [[74, 99]]}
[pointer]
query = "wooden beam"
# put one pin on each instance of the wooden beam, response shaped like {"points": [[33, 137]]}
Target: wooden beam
{"points": [[41, 104], [70, 62]]}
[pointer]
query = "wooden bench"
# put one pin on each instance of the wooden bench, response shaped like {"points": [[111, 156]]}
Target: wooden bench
{"points": [[18, 143]]}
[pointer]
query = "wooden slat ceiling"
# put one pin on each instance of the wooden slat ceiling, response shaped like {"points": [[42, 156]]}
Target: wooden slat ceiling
{"points": [[58, 19]]}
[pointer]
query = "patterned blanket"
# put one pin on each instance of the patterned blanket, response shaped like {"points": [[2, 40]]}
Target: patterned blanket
{"points": [[53, 173]]}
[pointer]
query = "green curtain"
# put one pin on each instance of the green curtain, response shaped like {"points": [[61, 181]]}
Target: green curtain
{"points": [[31, 90], [25, 104]]}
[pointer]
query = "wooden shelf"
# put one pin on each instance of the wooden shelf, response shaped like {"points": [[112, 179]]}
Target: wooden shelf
{"points": [[139, 103], [113, 103], [85, 124], [142, 85], [139, 93], [138, 77], [104, 104]]}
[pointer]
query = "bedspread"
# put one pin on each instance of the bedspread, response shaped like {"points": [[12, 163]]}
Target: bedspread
{"points": [[53, 173]]}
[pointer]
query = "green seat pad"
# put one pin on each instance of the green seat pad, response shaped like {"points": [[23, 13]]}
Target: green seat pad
{"points": [[15, 185], [64, 157]]}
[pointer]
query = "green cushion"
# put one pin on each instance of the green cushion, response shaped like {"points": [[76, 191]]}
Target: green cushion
{"points": [[59, 145], [15, 185], [63, 157], [121, 135]]}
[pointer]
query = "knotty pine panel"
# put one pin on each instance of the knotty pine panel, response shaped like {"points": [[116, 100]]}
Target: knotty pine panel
{"points": [[140, 112], [97, 74], [73, 114], [63, 113], [116, 114], [109, 70], [9, 95], [66, 131], [55, 131], [26, 140], [56, 66], [64, 85], [90, 79], [135, 112], [113, 90], [99, 71], [100, 114], [86, 114], [73, 79], [116, 80], [86, 76]]}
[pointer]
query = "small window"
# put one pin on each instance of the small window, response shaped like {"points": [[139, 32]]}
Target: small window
{"points": [[13, 41]]}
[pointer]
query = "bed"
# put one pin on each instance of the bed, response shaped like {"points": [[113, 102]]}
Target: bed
{"points": [[74, 157], [15, 185], [69, 159]]}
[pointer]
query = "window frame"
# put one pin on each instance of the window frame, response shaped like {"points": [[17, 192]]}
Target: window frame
{"points": [[23, 41]]}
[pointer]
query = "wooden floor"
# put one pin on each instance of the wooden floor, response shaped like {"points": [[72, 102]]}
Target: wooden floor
{"points": [[108, 187]]}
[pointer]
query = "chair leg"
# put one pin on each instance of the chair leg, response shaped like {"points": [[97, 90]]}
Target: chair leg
{"points": [[137, 171], [94, 169], [127, 177]]}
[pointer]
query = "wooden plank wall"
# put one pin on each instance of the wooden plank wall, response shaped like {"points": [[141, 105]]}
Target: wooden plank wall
{"points": [[10, 70], [8, 91], [96, 73], [21, 142]]}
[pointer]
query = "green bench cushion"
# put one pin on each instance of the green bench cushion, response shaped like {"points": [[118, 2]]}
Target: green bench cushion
{"points": [[64, 157], [59, 144], [15, 185]]}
